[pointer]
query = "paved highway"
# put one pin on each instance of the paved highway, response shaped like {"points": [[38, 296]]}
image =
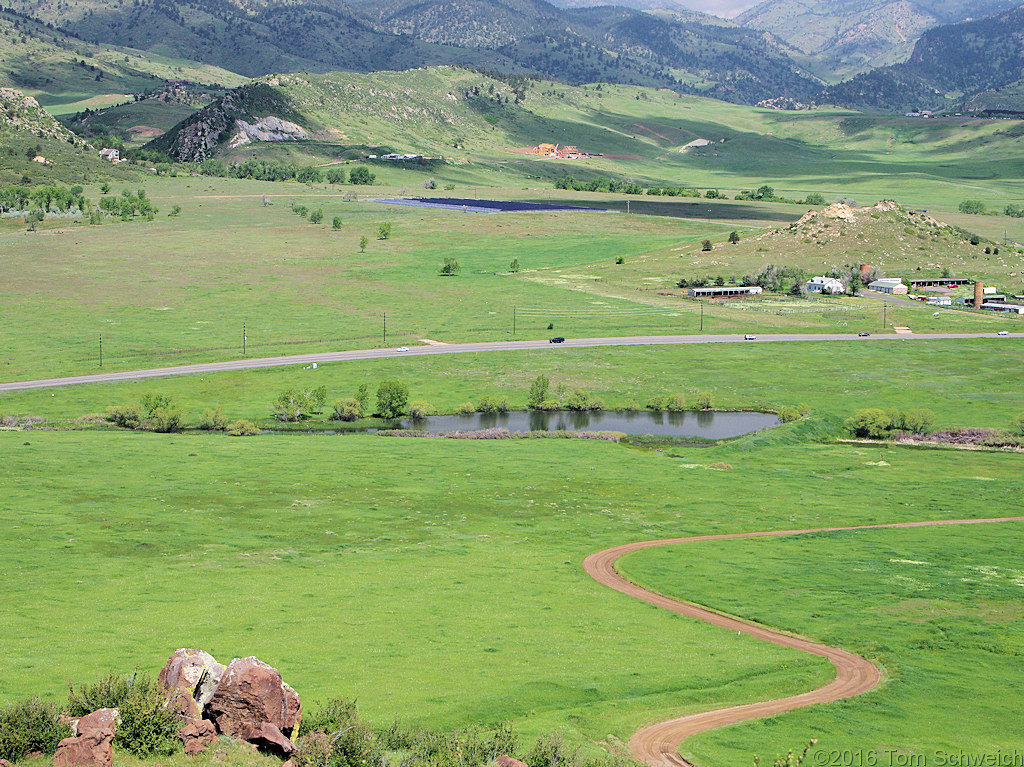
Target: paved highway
{"points": [[493, 346]]}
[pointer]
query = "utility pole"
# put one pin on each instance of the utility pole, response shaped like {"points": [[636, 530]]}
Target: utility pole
{"points": [[884, 307], [101, 350], [244, 338], [385, 328], [701, 316], [513, 319], [627, 207]]}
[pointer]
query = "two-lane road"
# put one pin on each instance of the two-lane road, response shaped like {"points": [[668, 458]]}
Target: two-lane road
{"points": [[490, 346]]}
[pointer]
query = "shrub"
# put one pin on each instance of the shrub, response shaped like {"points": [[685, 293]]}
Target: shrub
{"points": [[316, 216], [213, 419], [675, 404], [360, 174], [703, 400], [384, 231], [297, 404], [552, 751], [167, 420], [420, 409], [466, 408], [30, 725], [656, 403], [392, 398], [538, 392], [871, 422], [346, 410], [814, 198], [975, 207], [580, 399], [918, 420], [550, 404], [125, 416], [336, 222], [336, 175], [620, 259], [243, 428], [705, 245], [149, 722], [490, 404], [803, 408], [329, 716], [1017, 423], [788, 413]]}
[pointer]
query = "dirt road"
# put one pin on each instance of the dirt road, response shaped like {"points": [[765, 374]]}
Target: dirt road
{"points": [[658, 744]]}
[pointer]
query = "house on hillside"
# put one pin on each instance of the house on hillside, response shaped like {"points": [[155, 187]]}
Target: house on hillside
{"points": [[891, 285], [110, 154], [828, 285]]}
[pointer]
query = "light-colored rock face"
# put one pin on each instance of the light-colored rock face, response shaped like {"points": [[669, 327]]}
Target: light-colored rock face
{"points": [[268, 128], [102, 719], [194, 675]]}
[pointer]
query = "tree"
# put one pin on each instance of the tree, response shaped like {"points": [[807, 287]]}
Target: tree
{"points": [[363, 242], [175, 210], [871, 422], [764, 192], [104, 188], [430, 184], [538, 392], [974, 207], [1017, 423], [336, 222], [734, 237], [450, 268], [336, 175], [705, 245], [392, 399], [384, 231], [514, 266], [363, 397], [814, 198], [316, 216], [361, 175], [309, 175]]}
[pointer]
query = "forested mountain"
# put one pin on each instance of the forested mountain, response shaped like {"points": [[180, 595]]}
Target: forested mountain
{"points": [[959, 66], [855, 35], [687, 51]]}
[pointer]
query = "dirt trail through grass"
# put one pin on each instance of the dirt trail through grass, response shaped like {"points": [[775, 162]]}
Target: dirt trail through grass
{"points": [[659, 743]]}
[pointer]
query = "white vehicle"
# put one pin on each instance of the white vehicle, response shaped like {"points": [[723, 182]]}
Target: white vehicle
{"points": [[402, 349], [749, 337], [1003, 333]]}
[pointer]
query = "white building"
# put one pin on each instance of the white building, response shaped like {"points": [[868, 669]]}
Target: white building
{"points": [[722, 292], [892, 285], [825, 285], [940, 300]]}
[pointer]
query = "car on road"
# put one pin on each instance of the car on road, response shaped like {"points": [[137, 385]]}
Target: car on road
{"points": [[863, 334], [749, 337], [557, 340], [1003, 333], [402, 349]]}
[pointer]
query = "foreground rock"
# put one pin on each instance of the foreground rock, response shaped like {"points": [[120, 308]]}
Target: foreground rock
{"points": [[197, 735], [251, 694], [101, 719], [507, 761], [268, 738], [92, 749], [193, 675]]}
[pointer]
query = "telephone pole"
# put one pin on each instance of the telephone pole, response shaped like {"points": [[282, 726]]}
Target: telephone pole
{"points": [[701, 316], [884, 307], [513, 319], [244, 338], [385, 328], [101, 350]]}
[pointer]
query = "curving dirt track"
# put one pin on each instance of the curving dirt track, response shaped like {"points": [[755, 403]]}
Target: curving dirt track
{"points": [[658, 744]]}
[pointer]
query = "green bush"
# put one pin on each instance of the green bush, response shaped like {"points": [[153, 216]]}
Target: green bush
{"points": [[580, 399], [30, 725], [1017, 423], [149, 722], [420, 409], [917, 420], [108, 691], [316, 216], [329, 716], [675, 404], [243, 428], [703, 400], [297, 404], [360, 174], [538, 392], [550, 404], [166, 420], [788, 413], [552, 751], [346, 410], [872, 423], [392, 398], [466, 408], [656, 403], [125, 416], [492, 405], [975, 207], [213, 419]]}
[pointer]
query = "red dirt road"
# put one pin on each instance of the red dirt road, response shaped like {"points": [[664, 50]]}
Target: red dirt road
{"points": [[658, 744]]}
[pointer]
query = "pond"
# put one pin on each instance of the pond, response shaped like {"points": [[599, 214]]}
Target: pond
{"points": [[706, 424]]}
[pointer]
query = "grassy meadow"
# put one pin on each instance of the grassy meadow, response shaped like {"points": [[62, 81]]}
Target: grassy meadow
{"points": [[938, 609], [439, 581]]}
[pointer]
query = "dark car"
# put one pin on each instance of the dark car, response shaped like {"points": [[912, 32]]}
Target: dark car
{"points": [[557, 340], [863, 334]]}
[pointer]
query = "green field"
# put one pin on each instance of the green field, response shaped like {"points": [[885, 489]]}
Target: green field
{"points": [[938, 609], [439, 581]]}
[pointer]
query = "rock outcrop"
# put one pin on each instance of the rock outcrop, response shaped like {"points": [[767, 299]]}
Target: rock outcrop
{"points": [[268, 738], [197, 735], [266, 129], [193, 675], [101, 719], [92, 749], [251, 694]]}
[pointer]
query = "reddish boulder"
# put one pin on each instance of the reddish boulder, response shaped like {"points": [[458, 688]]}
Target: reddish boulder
{"points": [[101, 719], [92, 749], [251, 693], [197, 735], [507, 761], [267, 737], [5, 763], [193, 675]]}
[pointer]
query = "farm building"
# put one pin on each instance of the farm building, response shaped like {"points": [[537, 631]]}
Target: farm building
{"points": [[1003, 308], [825, 285], [110, 154], [939, 282], [940, 301], [891, 285], [724, 292]]}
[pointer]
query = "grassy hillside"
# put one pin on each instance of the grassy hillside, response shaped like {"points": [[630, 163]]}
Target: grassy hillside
{"points": [[67, 74]]}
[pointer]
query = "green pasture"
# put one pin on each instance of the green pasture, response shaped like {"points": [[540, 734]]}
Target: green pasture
{"points": [[179, 289], [938, 610], [965, 383], [439, 581]]}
